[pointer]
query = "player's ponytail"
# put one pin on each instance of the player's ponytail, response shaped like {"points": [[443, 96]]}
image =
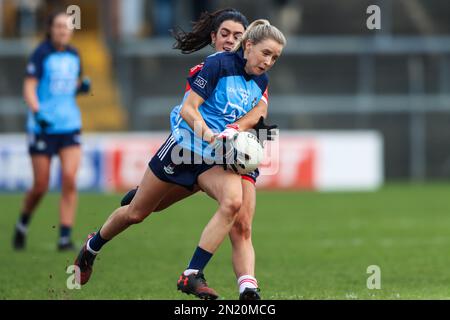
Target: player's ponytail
{"points": [[258, 31], [200, 36]]}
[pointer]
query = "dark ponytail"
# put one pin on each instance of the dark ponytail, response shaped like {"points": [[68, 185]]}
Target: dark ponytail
{"points": [[200, 36]]}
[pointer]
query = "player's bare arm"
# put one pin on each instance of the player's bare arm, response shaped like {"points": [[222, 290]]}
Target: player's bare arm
{"points": [[192, 116], [248, 121], [29, 93]]}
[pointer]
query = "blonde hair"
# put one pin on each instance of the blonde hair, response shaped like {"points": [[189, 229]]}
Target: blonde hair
{"points": [[260, 30]]}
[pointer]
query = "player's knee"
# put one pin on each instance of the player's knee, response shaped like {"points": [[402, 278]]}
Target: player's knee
{"points": [[135, 218], [231, 205], [135, 215], [69, 182], [40, 188]]}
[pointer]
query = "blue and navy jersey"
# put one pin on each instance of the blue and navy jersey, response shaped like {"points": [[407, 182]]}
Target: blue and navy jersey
{"points": [[57, 73], [229, 93]]}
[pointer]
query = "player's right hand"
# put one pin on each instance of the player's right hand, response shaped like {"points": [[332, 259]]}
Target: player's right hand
{"points": [[85, 86], [231, 130], [41, 121], [224, 145]]}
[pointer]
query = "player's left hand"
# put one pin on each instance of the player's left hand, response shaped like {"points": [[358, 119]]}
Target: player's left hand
{"points": [[85, 86], [264, 131]]}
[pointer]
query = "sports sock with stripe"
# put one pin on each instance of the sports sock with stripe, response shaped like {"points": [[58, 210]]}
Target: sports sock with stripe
{"points": [[247, 281]]}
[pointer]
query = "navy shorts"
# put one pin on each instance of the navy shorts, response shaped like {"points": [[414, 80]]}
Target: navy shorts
{"points": [[252, 176], [183, 174], [51, 144]]}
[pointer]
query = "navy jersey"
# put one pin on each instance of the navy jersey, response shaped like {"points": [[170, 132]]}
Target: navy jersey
{"points": [[229, 93], [57, 73]]}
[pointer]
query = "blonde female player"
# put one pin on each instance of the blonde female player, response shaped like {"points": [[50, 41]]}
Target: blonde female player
{"points": [[223, 29]]}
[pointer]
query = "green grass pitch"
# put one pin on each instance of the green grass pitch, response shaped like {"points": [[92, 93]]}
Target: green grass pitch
{"points": [[308, 246]]}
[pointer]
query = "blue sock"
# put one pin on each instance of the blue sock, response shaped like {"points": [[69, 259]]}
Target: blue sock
{"points": [[25, 218], [200, 259], [64, 233], [97, 242]]}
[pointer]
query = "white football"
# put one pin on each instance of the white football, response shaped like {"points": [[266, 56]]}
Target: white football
{"points": [[248, 153]]}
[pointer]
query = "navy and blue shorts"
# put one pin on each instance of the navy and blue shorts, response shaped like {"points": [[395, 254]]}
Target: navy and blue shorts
{"points": [[51, 144], [184, 174]]}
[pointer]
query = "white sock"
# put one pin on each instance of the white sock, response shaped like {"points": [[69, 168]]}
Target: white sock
{"points": [[90, 249], [246, 281], [187, 272]]}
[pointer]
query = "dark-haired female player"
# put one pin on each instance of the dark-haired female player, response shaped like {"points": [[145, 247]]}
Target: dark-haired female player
{"points": [[226, 88]]}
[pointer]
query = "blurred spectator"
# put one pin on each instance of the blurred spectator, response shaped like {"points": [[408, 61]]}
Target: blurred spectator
{"points": [[131, 17], [288, 14], [26, 16], [163, 16], [1, 19]]}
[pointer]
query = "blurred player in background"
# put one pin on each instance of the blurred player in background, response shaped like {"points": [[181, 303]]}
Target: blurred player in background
{"points": [[53, 78], [228, 86], [223, 29]]}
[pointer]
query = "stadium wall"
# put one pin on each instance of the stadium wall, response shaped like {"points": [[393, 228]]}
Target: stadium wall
{"points": [[303, 160]]}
